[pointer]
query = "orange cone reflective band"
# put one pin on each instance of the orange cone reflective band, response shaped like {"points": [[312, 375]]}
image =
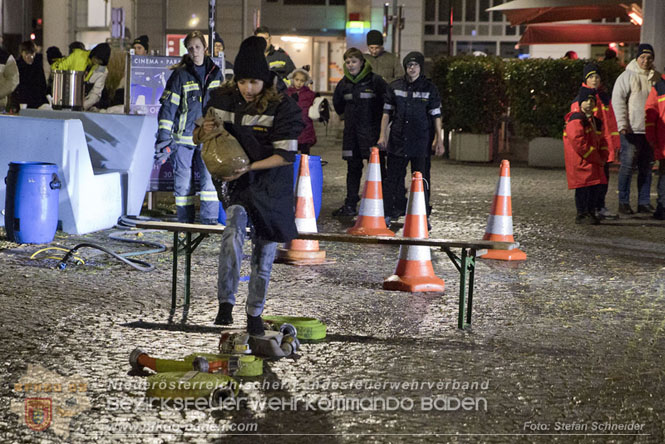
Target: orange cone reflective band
{"points": [[500, 220], [371, 220], [298, 251], [414, 270]]}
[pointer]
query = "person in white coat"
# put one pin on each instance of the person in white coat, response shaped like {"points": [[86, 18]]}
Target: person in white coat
{"points": [[629, 97], [9, 77]]}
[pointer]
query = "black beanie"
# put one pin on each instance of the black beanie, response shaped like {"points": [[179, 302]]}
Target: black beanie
{"points": [[143, 41], [52, 54], [584, 95], [374, 37], [414, 56], [102, 52], [250, 63], [218, 38], [645, 48], [589, 69]]}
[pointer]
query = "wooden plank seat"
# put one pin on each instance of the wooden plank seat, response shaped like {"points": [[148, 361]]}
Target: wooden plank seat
{"points": [[465, 262]]}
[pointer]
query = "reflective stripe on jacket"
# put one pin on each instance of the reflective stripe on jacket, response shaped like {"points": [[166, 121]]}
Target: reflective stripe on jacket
{"points": [[183, 100]]}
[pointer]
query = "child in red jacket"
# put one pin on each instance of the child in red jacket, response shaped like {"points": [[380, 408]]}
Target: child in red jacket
{"points": [[585, 152], [655, 132], [301, 93], [605, 112]]}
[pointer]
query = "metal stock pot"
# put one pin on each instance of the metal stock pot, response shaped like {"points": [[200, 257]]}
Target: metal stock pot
{"points": [[68, 89]]}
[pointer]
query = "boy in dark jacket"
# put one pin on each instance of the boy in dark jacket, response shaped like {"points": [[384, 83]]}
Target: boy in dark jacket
{"points": [[359, 97], [585, 152], [414, 106]]}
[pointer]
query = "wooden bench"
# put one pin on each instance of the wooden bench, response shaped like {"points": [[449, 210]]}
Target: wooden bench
{"points": [[465, 262]]}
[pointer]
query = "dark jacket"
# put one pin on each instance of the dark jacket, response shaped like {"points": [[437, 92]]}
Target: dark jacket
{"points": [[266, 195], [360, 99], [183, 101], [305, 98], [279, 62], [413, 107], [585, 150], [32, 83]]}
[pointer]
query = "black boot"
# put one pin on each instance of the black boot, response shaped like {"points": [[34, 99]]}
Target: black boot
{"points": [[224, 314], [255, 325], [659, 213]]}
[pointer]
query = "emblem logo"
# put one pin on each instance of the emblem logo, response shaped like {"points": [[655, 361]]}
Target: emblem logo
{"points": [[38, 413]]}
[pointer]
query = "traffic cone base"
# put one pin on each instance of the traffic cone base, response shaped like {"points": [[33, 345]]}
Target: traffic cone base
{"points": [[414, 271], [299, 251], [500, 220], [371, 220]]}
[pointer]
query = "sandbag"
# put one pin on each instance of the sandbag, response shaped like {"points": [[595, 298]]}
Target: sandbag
{"points": [[221, 152]]}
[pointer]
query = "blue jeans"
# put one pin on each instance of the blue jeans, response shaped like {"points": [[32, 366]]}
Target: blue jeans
{"points": [[635, 150], [183, 184], [230, 258]]}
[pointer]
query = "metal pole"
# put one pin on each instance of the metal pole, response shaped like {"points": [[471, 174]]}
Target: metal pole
{"points": [[386, 19], [450, 28], [211, 27], [399, 25]]}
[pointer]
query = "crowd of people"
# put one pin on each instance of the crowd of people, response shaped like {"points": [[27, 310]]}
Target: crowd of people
{"points": [[630, 126], [266, 104]]}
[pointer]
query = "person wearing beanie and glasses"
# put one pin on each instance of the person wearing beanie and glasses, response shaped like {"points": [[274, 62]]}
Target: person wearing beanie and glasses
{"points": [[93, 64], [655, 133], [267, 125], [585, 153], [605, 113], [384, 63], [187, 92], [219, 49], [141, 45], [413, 105], [629, 97]]}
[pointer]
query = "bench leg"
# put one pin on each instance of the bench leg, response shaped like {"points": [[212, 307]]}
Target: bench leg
{"points": [[174, 279], [462, 290], [188, 271], [472, 271]]}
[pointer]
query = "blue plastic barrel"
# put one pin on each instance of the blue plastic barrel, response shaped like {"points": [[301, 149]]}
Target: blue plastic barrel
{"points": [[31, 204], [316, 177]]}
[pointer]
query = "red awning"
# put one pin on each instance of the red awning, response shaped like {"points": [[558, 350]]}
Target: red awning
{"points": [[520, 12], [580, 33]]}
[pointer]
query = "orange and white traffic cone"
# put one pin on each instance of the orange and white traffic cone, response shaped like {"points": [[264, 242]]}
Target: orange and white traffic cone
{"points": [[500, 220], [414, 270], [299, 251], [371, 220]]}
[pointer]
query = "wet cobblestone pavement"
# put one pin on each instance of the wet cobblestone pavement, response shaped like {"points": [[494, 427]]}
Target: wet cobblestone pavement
{"points": [[565, 347]]}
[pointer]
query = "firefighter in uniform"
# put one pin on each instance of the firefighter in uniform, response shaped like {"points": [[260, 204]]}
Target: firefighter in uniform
{"points": [[186, 94]]}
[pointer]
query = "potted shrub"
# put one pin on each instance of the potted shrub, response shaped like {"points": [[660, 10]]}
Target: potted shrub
{"points": [[474, 97]]}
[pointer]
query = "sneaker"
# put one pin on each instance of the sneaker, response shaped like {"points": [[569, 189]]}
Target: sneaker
{"points": [[595, 219], [389, 220], [624, 208], [648, 208], [583, 219], [659, 213], [224, 314], [604, 213], [345, 210], [255, 326]]}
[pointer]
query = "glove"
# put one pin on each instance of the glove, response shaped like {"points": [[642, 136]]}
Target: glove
{"points": [[163, 151]]}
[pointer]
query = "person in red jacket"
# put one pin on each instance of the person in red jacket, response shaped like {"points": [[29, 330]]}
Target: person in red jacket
{"points": [[655, 132], [585, 152], [300, 92], [604, 112]]}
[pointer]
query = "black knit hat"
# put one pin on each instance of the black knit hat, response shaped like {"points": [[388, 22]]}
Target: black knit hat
{"points": [[590, 69], [102, 52], [250, 63], [584, 94], [645, 48], [219, 39], [52, 54], [143, 41], [414, 56], [374, 37]]}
